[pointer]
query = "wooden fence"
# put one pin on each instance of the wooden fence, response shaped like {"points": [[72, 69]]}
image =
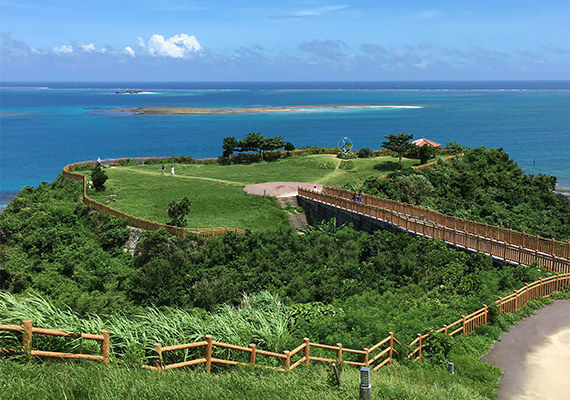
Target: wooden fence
{"points": [[513, 302], [503, 243], [289, 359], [380, 354], [28, 330], [136, 221]]}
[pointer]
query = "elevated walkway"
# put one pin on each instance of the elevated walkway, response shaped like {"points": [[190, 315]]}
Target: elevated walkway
{"points": [[374, 213]]}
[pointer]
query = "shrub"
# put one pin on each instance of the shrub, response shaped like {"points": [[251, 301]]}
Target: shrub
{"points": [[364, 152], [99, 178], [289, 146], [177, 210], [426, 152], [346, 155]]}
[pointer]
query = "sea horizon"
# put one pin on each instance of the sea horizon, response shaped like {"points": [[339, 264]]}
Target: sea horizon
{"points": [[52, 124]]}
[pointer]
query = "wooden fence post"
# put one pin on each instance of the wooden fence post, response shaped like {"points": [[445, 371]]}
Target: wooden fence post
{"points": [[463, 325], [366, 354], [287, 360], [391, 347], [159, 362], [339, 352], [500, 305], [251, 360], [306, 351], [486, 318], [105, 346], [27, 336], [516, 300], [208, 352], [420, 346]]}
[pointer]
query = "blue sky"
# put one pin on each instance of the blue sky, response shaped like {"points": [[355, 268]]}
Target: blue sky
{"points": [[252, 40]]}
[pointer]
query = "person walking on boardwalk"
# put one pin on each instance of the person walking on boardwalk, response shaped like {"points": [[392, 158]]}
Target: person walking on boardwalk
{"points": [[172, 170]]}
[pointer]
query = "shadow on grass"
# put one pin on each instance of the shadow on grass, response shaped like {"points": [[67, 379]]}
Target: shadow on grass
{"points": [[387, 166]]}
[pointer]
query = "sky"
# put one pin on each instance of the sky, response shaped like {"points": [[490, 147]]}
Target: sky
{"points": [[303, 40]]}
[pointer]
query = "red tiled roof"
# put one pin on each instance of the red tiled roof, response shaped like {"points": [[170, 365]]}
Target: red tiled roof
{"points": [[422, 141]]}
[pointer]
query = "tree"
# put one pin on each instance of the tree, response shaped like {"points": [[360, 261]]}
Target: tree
{"points": [[426, 152], [229, 146], [178, 210], [256, 142], [99, 177], [399, 143]]}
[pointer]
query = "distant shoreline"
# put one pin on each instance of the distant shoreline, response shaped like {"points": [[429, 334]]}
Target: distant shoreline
{"points": [[242, 110]]}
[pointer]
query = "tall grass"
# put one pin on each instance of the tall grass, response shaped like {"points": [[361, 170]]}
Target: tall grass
{"points": [[52, 380], [260, 319]]}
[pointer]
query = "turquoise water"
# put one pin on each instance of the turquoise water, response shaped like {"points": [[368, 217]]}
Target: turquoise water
{"points": [[46, 126]]}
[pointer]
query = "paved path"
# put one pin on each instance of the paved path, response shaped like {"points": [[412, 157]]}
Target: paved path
{"points": [[535, 356], [280, 189]]}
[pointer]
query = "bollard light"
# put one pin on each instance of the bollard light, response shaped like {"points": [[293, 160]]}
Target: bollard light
{"points": [[450, 368], [365, 389], [365, 377]]}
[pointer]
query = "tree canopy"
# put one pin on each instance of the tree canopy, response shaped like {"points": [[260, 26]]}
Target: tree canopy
{"points": [[399, 143], [252, 142]]}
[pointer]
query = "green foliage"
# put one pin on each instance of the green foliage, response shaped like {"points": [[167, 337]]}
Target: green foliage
{"points": [[344, 155], [399, 143], [99, 178], [484, 185], [229, 145], [58, 246], [365, 152], [177, 212], [289, 146], [454, 146], [426, 152], [253, 142]]}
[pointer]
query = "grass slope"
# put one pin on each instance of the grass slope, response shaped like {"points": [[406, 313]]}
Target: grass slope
{"points": [[216, 192]]}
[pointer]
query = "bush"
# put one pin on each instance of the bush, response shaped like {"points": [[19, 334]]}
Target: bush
{"points": [[177, 210], [346, 155], [99, 178], [289, 146], [426, 152], [365, 152]]}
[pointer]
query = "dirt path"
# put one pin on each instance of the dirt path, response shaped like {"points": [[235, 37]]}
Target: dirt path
{"points": [[137, 171], [535, 356]]}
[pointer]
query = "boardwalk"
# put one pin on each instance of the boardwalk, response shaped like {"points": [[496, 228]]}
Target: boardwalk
{"points": [[502, 244]]}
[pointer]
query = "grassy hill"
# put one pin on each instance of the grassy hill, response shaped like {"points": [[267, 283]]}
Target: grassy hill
{"points": [[217, 191]]}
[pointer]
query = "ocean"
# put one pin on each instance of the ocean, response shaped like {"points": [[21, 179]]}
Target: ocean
{"points": [[44, 126]]}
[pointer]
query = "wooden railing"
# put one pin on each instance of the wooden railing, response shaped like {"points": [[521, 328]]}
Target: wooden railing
{"points": [[289, 359], [28, 330], [506, 244], [513, 302], [136, 221], [380, 354]]}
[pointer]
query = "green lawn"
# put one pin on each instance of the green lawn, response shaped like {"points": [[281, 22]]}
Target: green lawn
{"points": [[216, 191]]}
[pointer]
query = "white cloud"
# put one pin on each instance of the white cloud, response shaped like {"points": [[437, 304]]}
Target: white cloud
{"points": [[88, 48], [178, 46], [422, 65], [128, 51], [64, 49], [141, 42]]}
